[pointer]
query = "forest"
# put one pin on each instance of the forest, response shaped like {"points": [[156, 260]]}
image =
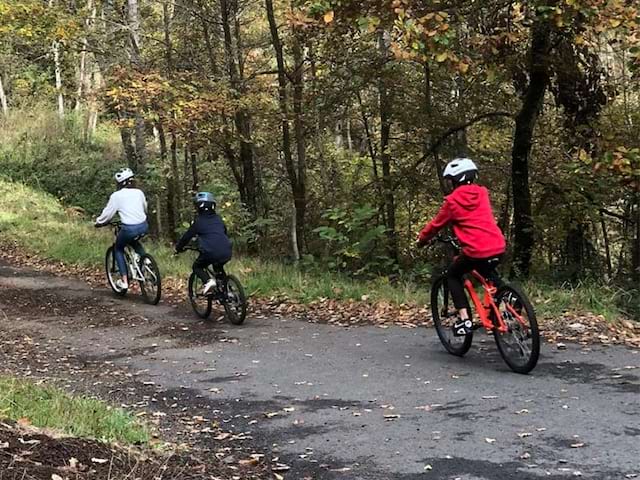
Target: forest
{"points": [[323, 126]]}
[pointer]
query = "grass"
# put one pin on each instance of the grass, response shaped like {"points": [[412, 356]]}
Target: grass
{"points": [[38, 222], [554, 301], [47, 407]]}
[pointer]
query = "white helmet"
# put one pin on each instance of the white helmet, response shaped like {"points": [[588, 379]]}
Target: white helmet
{"points": [[123, 175], [460, 170]]}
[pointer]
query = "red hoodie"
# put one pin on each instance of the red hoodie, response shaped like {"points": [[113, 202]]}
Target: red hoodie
{"points": [[468, 210]]}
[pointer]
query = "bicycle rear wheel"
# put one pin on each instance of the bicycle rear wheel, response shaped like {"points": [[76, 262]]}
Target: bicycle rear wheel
{"points": [[520, 345], [151, 287], [113, 274], [444, 315], [200, 303], [235, 301]]}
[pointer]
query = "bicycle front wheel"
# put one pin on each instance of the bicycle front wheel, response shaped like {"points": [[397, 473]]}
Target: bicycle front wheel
{"points": [[151, 287], [113, 274], [444, 316], [200, 303], [235, 301], [520, 344]]}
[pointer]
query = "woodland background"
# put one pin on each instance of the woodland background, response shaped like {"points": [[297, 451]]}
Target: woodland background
{"points": [[323, 126]]}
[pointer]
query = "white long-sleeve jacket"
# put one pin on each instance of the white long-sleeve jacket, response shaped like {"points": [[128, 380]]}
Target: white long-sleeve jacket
{"points": [[129, 203]]}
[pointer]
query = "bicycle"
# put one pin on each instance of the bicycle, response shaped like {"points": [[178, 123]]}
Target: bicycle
{"points": [[504, 311], [142, 269], [228, 291]]}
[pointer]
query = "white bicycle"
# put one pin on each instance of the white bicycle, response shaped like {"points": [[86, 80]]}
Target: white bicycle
{"points": [[142, 269]]}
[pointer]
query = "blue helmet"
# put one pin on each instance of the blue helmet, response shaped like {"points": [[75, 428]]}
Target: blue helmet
{"points": [[204, 200]]}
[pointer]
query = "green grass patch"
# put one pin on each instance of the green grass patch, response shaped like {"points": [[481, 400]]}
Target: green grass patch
{"points": [[47, 407], [557, 300], [38, 221]]}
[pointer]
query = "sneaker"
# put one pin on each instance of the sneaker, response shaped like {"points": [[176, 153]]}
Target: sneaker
{"points": [[208, 286], [121, 284], [462, 327]]}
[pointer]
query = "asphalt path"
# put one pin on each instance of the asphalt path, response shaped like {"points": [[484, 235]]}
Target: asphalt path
{"points": [[362, 402]]}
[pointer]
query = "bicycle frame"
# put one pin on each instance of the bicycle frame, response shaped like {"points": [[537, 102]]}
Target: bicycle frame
{"points": [[134, 267], [487, 306]]}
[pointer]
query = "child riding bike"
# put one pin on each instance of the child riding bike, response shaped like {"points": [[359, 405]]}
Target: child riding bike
{"points": [[468, 210], [131, 205], [213, 242]]}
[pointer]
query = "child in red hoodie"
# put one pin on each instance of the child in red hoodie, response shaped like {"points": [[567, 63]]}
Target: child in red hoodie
{"points": [[468, 210]]}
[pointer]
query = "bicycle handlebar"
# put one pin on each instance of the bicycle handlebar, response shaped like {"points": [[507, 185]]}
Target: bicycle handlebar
{"points": [[448, 240], [112, 223]]}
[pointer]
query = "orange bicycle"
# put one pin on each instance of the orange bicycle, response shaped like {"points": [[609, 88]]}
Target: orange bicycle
{"points": [[504, 310]]}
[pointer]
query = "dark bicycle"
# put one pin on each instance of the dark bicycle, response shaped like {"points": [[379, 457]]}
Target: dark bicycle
{"points": [[228, 292], [142, 269], [505, 311]]}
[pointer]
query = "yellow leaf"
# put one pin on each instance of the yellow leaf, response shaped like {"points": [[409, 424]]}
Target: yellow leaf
{"points": [[615, 22], [328, 17], [463, 67], [441, 57]]}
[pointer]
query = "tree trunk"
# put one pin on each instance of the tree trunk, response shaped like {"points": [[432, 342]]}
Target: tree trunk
{"points": [[134, 31], [296, 173], [607, 247], [195, 182], [127, 146], [242, 117], [635, 257], [385, 103], [206, 33], [505, 215], [133, 21], [526, 119], [55, 48], [3, 99], [300, 191], [82, 69], [140, 143], [172, 221]]}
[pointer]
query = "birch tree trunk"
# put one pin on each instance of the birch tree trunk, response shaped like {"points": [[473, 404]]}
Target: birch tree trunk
{"points": [[55, 51], [58, 70], [3, 99]]}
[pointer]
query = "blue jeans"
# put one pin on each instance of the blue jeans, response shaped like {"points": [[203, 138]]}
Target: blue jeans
{"points": [[126, 237]]}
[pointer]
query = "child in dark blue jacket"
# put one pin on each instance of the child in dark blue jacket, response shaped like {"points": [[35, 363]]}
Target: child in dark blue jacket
{"points": [[213, 242]]}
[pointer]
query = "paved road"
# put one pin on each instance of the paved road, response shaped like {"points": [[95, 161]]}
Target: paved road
{"points": [[365, 402]]}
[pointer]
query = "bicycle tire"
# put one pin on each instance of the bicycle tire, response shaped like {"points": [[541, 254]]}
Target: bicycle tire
{"points": [[445, 333], [238, 314], [148, 264], [518, 301], [112, 272], [193, 291]]}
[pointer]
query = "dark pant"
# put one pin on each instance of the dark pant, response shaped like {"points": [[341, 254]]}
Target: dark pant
{"points": [[203, 261], [462, 265], [125, 237]]}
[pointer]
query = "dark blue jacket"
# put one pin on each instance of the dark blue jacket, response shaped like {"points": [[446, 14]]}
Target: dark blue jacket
{"points": [[213, 241]]}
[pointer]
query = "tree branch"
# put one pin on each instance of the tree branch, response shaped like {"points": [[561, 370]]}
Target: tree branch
{"points": [[455, 129]]}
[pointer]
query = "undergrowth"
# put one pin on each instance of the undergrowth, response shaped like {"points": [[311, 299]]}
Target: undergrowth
{"points": [[38, 222]]}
